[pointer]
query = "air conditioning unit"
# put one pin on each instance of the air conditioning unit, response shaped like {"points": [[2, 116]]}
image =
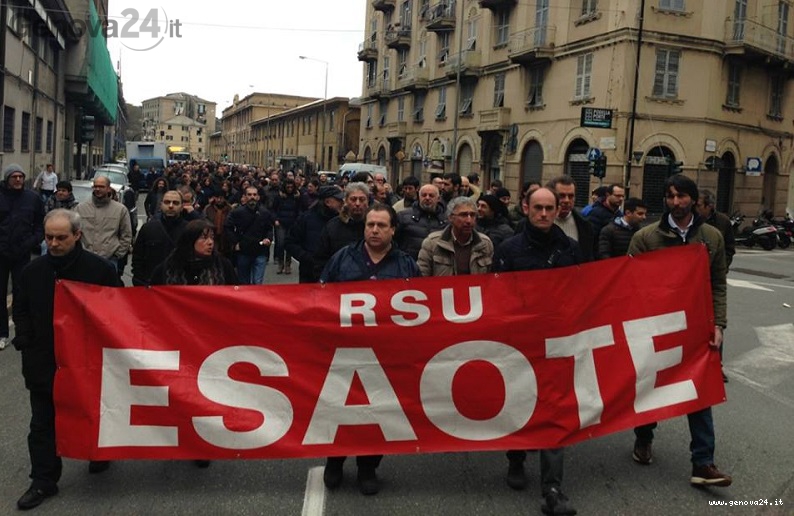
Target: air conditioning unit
{"points": [[446, 148]]}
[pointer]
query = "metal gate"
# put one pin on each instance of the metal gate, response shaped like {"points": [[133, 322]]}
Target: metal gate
{"points": [[654, 174]]}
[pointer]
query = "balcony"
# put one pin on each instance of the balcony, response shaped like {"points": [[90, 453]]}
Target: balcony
{"points": [[758, 42], [497, 5], [398, 38], [379, 88], [532, 46], [496, 119], [441, 17], [396, 130], [368, 51], [414, 78], [468, 61], [385, 6]]}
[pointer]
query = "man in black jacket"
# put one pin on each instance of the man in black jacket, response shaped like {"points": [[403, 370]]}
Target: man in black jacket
{"points": [[33, 319], [21, 231], [428, 214], [542, 245], [344, 229], [614, 239], [249, 228], [304, 238], [157, 238], [569, 220]]}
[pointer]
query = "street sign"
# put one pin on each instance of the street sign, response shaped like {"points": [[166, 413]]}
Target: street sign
{"points": [[593, 154], [596, 117], [753, 167]]}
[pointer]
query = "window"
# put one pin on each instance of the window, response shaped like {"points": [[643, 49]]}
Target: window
{"points": [[331, 119], [782, 26], [370, 114], [471, 39], [665, 83], [466, 99], [8, 128], [384, 108], [584, 67], [49, 136], [422, 61], [499, 90], [776, 97], [402, 63], [169, 127], [372, 72], [734, 81], [536, 76], [419, 106], [25, 145], [502, 21], [671, 5], [441, 108], [443, 45], [589, 7], [38, 138], [386, 66], [401, 109]]}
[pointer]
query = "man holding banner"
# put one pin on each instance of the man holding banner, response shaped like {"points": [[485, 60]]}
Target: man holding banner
{"points": [[542, 245], [373, 259], [33, 318], [680, 225]]}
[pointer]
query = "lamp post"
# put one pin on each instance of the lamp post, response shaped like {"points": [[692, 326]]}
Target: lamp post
{"points": [[325, 101]]}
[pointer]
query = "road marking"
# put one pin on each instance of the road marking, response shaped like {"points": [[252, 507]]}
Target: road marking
{"points": [[747, 284], [775, 285], [314, 499], [770, 364]]}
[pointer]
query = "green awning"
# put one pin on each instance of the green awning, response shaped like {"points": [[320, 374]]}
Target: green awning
{"points": [[102, 79]]}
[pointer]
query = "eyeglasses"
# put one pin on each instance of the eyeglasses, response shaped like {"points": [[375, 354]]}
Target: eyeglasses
{"points": [[466, 214]]}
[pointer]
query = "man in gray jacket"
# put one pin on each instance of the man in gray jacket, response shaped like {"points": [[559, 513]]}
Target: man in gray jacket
{"points": [[107, 230]]}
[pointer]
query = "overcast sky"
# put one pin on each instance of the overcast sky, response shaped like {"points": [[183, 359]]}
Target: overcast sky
{"points": [[239, 46]]}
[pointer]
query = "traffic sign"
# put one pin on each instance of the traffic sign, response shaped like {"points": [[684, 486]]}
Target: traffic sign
{"points": [[753, 167], [593, 154]]}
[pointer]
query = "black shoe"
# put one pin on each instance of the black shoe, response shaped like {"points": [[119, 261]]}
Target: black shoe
{"points": [[557, 503], [202, 464], [368, 482], [333, 474], [516, 477], [34, 496], [643, 452], [724, 377], [98, 466]]}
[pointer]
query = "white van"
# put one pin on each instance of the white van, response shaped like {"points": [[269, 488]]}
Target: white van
{"points": [[351, 169]]}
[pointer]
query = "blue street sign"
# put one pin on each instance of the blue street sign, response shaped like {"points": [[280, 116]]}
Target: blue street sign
{"points": [[593, 154]]}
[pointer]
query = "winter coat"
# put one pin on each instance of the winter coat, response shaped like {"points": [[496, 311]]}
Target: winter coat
{"points": [[248, 227], [21, 223], [723, 223], [599, 217], [33, 308], [414, 225], [534, 249], [614, 239], [155, 242], [286, 209], [195, 269], [107, 230], [349, 264], [54, 204], [498, 229], [303, 239], [660, 235], [339, 232], [437, 256]]}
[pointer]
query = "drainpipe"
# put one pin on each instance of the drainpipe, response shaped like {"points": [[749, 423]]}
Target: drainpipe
{"points": [[459, 27], [633, 116], [3, 15]]}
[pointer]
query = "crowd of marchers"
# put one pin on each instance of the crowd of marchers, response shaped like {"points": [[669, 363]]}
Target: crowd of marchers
{"points": [[218, 224]]}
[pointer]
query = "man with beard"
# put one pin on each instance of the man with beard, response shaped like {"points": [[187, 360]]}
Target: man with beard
{"points": [[107, 230], [33, 318], [424, 217], [217, 211], [344, 229], [410, 186], [249, 228], [682, 225], [157, 238], [492, 219], [21, 231], [304, 238], [450, 186], [374, 258], [605, 212]]}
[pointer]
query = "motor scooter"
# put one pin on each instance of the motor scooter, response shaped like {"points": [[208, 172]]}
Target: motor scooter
{"points": [[761, 233]]}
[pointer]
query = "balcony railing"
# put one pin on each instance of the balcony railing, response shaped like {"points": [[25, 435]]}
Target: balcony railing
{"points": [[441, 16], [759, 38], [468, 61], [496, 119], [413, 77], [496, 5], [384, 5], [368, 50], [396, 130], [532, 45], [398, 38]]}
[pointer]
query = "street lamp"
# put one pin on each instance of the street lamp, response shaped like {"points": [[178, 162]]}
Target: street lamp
{"points": [[325, 101]]}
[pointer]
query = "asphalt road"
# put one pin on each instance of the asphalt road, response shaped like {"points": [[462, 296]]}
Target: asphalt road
{"points": [[754, 444]]}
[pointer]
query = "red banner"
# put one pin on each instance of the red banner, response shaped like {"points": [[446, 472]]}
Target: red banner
{"points": [[489, 362]]}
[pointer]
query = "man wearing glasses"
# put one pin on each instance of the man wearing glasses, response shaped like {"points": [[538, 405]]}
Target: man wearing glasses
{"points": [[21, 231]]}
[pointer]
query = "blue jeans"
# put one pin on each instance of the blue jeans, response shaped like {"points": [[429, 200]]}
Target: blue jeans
{"points": [[251, 269], [701, 431]]}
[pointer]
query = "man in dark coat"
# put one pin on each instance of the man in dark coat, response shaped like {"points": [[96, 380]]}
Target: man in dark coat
{"points": [[21, 231], [373, 258], [249, 228], [605, 212], [428, 214], [542, 245], [33, 318], [304, 238], [157, 238], [614, 239], [344, 229], [569, 220]]}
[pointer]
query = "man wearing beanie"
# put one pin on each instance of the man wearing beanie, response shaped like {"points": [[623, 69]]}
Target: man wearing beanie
{"points": [[681, 225], [21, 231], [492, 219]]}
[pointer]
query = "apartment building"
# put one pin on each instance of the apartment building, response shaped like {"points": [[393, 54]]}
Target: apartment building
{"points": [[180, 120], [324, 131], [501, 87]]}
